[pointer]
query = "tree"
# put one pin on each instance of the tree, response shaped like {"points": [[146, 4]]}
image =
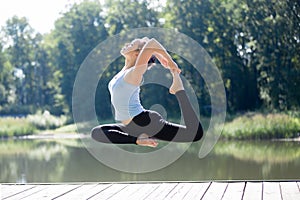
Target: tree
{"points": [[77, 32], [49, 76], [209, 24], [31, 65], [21, 42], [273, 29], [254, 43], [134, 14], [127, 14], [6, 80]]}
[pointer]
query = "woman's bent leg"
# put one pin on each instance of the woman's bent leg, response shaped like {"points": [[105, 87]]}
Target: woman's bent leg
{"points": [[112, 133], [192, 131], [152, 123], [192, 123]]}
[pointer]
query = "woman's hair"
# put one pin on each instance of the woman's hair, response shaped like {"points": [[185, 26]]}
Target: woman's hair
{"points": [[152, 62]]}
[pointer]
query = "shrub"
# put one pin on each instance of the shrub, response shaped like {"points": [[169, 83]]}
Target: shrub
{"points": [[259, 126], [45, 120], [14, 126]]}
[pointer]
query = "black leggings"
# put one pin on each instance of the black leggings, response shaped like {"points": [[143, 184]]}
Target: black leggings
{"points": [[152, 123]]}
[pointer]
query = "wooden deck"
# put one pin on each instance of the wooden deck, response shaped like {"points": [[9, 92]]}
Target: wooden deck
{"points": [[155, 191]]}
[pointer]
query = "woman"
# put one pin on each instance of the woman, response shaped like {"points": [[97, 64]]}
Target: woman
{"points": [[137, 125]]}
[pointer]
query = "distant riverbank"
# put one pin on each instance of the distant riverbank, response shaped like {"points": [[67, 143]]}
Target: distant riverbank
{"points": [[33, 124], [258, 126], [254, 126]]}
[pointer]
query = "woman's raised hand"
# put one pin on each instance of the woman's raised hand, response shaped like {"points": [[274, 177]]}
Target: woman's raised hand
{"points": [[167, 63], [174, 67]]}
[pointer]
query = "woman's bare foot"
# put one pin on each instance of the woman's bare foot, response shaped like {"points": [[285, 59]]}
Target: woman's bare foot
{"points": [[144, 140], [177, 83]]}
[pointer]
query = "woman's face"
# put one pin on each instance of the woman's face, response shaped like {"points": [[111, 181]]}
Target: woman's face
{"points": [[135, 45]]}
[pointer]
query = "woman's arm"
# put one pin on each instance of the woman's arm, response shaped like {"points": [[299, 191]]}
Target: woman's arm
{"points": [[152, 47], [161, 59], [149, 49]]}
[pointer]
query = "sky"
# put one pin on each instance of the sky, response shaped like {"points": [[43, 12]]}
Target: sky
{"points": [[41, 14]]}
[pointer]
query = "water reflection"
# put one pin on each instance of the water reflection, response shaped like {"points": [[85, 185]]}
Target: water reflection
{"points": [[33, 161], [69, 161], [275, 160]]}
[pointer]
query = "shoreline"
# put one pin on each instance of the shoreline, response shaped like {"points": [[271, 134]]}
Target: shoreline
{"points": [[53, 135], [47, 135]]}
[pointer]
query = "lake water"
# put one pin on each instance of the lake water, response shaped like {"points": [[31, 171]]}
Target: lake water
{"points": [[66, 160]]}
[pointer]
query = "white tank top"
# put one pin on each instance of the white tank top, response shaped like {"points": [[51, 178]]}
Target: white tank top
{"points": [[125, 97]]}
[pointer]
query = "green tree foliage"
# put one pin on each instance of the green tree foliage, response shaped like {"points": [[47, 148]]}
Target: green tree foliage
{"points": [[77, 33], [121, 16], [273, 31], [6, 80], [49, 93], [21, 41], [29, 75], [127, 14], [213, 26], [255, 44]]}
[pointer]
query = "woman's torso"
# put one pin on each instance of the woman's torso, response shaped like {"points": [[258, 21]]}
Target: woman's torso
{"points": [[125, 97]]}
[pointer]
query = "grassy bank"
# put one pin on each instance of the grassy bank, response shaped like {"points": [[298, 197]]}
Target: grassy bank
{"points": [[262, 126], [10, 127], [242, 127], [20, 126]]}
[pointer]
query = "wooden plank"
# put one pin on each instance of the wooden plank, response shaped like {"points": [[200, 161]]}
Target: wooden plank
{"points": [[179, 191], [234, 191], [271, 191], [109, 191], [197, 191], [253, 191], [206, 190], [1, 191], [128, 192], [289, 190], [26, 193], [85, 191], [162, 191], [51, 192], [215, 191], [11, 190], [145, 191]]}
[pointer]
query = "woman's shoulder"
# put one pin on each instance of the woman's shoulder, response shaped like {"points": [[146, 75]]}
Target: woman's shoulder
{"points": [[131, 77]]}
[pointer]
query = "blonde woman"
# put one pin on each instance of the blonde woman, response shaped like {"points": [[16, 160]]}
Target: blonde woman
{"points": [[138, 125]]}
